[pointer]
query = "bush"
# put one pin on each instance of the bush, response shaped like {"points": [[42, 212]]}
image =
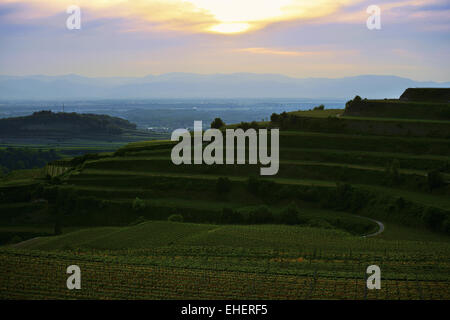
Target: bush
{"points": [[244, 125], [259, 215], [223, 185], [254, 125], [344, 195], [321, 107], [275, 117], [175, 218], [290, 215], [349, 104], [217, 123], [138, 204]]}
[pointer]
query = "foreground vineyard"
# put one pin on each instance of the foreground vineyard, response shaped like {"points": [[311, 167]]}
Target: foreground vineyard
{"points": [[218, 273]]}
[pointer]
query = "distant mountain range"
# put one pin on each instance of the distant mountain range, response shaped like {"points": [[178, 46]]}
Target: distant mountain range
{"points": [[188, 85]]}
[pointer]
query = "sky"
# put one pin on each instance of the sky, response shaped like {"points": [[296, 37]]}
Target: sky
{"points": [[298, 38]]}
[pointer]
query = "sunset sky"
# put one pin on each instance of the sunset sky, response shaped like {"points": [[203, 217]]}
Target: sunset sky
{"points": [[300, 38]]}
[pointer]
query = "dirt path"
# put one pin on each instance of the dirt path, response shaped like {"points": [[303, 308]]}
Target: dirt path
{"points": [[380, 227]]}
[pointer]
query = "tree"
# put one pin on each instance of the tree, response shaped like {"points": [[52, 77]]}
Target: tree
{"points": [[321, 107], [275, 117], [217, 123], [261, 214], [290, 215], [138, 204]]}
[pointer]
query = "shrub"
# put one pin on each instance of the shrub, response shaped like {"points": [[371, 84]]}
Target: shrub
{"points": [[254, 125], [217, 123], [349, 104], [244, 125], [261, 214], [138, 204], [176, 218], [290, 215], [275, 117], [321, 107], [344, 195]]}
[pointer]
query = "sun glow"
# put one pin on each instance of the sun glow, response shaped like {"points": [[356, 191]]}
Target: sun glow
{"points": [[230, 28], [197, 16]]}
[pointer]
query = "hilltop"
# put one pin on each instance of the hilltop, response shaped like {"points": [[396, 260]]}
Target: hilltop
{"points": [[426, 95], [414, 103], [47, 123]]}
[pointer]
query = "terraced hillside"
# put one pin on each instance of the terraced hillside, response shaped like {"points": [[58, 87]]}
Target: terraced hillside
{"points": [[414, 103], [308, 232]]}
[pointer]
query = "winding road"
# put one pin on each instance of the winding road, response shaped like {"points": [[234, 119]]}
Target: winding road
{"points": [[379, 223]]}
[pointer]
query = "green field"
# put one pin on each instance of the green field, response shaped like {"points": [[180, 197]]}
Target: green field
{"points": [[164, 260]]}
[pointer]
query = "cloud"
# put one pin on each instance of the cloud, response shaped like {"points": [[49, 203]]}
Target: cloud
{"points": [[197, 16], [270, 51]]}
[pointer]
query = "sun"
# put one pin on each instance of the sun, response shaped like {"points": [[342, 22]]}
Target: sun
{"points": [[230, 28], [237, 16]]}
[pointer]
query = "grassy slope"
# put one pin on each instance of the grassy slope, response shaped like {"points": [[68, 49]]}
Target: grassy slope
{"points": [[161, 234]]}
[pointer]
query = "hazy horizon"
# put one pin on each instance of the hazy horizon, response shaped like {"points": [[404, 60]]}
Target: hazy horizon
{"points": [[196, 86]]}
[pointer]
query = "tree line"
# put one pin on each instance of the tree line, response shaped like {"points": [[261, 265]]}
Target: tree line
{"points": [[24, 158]]}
